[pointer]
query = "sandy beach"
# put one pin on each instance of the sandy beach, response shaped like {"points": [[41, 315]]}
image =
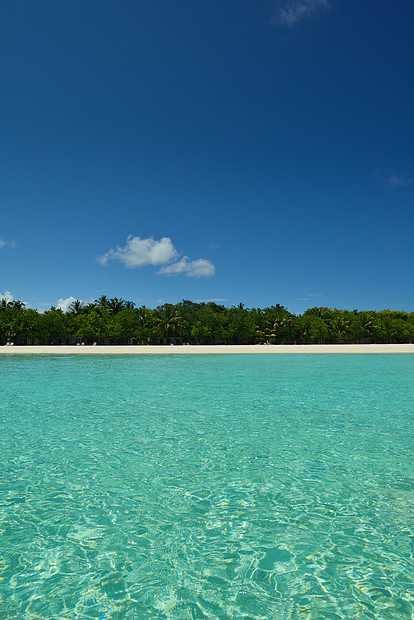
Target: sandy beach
{"points": [[208, 349]]}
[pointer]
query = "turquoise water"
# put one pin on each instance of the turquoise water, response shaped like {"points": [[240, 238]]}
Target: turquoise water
{"points": [[217, 487]]}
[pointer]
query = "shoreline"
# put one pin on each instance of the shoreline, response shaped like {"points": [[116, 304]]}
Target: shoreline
{"points": [[275, 349]]}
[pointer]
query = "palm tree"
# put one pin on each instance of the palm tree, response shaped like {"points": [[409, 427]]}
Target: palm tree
{"points": [[368, 325], [102, 301], [4, 303], [281, 327], [116, 305], [263, 333], [89, 308], [168, 320], [144, 320], [19, 305], [338, 328], [129, 304], [76, 306]]}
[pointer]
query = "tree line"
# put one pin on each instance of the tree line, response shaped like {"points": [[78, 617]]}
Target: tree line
{"points": [[118, 321]]}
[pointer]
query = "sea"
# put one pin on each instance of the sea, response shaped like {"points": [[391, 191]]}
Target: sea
{"points": [[180, 487]]}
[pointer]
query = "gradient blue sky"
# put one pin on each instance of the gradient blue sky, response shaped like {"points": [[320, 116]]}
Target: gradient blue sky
{"points": [[229, 150]]}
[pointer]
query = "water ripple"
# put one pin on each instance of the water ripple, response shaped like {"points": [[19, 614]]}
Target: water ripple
{"points": [[251, 487]]}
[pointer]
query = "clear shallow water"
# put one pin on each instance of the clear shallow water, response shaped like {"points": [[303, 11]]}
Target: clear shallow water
{"points": [[218, 487]]}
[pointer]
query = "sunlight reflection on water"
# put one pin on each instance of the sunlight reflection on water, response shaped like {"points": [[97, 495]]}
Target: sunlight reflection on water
{"points": [[211, 487]]}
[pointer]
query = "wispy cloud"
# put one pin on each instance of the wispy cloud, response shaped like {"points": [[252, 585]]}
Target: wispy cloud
{"points": [[394, 179], [215, 300], [4, 243], [192, 268], [138, 252], [294, 11], [309, 296]]}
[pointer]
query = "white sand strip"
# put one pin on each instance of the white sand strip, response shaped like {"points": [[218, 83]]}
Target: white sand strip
{"points": [[206, 349]]}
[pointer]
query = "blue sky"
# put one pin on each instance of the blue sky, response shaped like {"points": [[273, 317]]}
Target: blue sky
{"points": [[257, 152]]}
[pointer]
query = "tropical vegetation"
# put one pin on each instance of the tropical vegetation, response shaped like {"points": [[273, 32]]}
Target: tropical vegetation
{"points": [[117, 321]]}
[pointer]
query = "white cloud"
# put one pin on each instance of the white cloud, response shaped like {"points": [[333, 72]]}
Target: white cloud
{"points": [[191, 268], [309, 296], [41, 308], [296, 10], [64, 304], [139, 252], [398, 180], [7, 296], [206, 301], [3, 243]]}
